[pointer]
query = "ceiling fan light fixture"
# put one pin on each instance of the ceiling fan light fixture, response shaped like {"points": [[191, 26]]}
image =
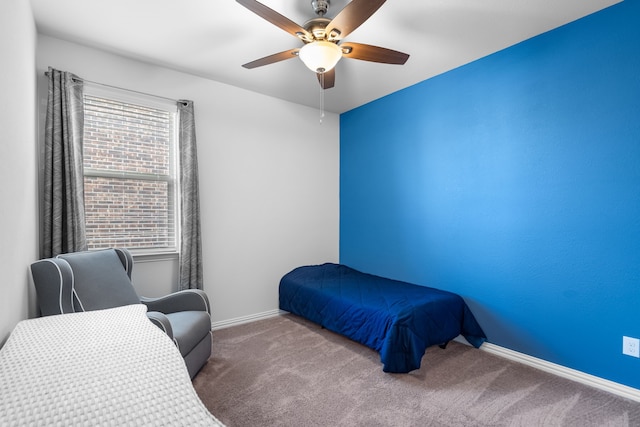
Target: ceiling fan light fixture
{"points": [[320, 56]]}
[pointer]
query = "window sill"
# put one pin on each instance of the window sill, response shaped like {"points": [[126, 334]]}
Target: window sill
{"points": [[150, 256]]}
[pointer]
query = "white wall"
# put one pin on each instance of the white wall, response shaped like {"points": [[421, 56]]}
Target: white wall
{"points": [[269, 179], [18, 202]]}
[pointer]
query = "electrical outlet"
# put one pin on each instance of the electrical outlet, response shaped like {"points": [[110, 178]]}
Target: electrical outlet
{"points": [[631, 346]]}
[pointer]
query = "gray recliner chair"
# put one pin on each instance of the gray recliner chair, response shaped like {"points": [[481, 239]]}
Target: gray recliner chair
{"points": [[95, 280]]}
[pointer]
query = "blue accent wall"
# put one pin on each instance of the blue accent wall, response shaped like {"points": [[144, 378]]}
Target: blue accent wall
{"points": [[515, 182]]}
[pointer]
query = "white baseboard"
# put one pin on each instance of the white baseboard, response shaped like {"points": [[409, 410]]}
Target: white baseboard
{"points": [[245, 319], [564, 372]]}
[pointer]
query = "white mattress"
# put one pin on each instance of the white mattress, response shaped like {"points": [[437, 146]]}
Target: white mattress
{"points": [[108, 367]]}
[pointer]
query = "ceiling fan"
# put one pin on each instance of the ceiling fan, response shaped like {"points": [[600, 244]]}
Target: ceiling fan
{"points": [[322, 37]]}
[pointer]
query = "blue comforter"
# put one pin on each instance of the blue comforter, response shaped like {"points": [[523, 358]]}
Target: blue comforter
{"points": [[397, 319]]}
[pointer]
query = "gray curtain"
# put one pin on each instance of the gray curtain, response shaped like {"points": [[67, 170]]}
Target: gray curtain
{"points": [[190, 245], [63, 187]]}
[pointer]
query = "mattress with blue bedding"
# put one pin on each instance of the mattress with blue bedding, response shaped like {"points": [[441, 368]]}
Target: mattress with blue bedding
{"points": [[399, 320]]}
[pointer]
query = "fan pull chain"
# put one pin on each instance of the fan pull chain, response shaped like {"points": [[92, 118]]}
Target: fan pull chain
{"points": [[321, 97]]}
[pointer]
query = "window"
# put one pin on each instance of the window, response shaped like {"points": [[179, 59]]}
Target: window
{"points": [[130, 171]]}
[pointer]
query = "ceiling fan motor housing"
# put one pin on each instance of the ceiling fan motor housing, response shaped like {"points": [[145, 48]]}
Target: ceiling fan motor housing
{"points": [[316, 26], [320, 6]]}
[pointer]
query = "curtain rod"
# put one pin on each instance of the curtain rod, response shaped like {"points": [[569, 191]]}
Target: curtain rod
{"points": [[183, 102], [136, 91]]}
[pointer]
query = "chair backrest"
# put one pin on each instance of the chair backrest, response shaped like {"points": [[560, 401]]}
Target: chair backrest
{"points": [[84, 281]]}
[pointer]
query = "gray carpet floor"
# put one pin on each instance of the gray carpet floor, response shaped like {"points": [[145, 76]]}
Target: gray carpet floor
{"points": [[286, 371]]}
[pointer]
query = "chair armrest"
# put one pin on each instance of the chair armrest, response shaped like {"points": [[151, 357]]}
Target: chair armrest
{"points": [[186, 300], [161, 321]]}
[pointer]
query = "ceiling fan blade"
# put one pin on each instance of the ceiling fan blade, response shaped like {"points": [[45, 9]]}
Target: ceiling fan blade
{"points": [[277, 19], [351, 17], [367, 52], [276, 57], [327, 79]]}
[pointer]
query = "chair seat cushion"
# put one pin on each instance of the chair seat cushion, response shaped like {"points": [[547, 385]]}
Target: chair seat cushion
{"points": [[189, 328]]}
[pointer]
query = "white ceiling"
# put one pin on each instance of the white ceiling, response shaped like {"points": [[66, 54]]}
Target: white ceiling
{"points": [[213, 38]]}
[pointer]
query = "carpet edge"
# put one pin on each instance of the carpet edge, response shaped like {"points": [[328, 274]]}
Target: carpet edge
{"points": [[564, 372]]}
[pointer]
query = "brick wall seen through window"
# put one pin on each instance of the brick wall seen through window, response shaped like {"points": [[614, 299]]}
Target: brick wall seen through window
{"points": [[129, 175]]}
